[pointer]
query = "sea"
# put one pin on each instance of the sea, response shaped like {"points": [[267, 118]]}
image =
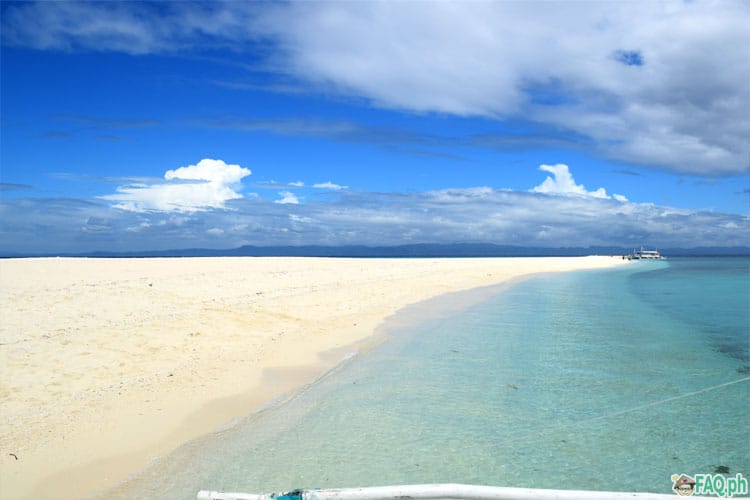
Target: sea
{"points": [[609, 380]]}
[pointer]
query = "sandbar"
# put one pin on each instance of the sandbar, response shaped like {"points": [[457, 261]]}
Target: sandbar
{"points": [[108, 364]]}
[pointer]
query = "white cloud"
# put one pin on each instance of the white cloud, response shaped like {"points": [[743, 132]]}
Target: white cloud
{"points": [[679, 101], [460, 195], [330, 186], [620, 198], [210, 170], [297, 184], [204, 186], [508, 217], [139, 227], [481, 214], [300, 219], [287, 198], [563, 183], [132, 28], [662, 84]]}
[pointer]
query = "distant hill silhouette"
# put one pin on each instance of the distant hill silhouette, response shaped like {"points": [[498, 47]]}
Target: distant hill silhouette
{"points": [[414, 250]]}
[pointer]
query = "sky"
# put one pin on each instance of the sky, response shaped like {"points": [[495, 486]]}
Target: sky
{"points": [[132, 126]]}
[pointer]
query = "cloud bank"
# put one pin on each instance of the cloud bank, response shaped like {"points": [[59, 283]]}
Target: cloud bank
{"points": [[557, 212], [659, 84]]}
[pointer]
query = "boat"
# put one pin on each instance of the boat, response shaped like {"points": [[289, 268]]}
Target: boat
{"points": [[646, 255], [434, 492]]}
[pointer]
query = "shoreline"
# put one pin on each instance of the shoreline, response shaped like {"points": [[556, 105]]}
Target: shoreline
{"points": [[410, 316], [113, 363]]}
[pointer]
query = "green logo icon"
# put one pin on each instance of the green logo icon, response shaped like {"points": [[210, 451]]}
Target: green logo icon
{"points": [[709, 484]]}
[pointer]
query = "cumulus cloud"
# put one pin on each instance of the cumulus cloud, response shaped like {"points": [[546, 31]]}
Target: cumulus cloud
{"points": [[330, 186], [563, 183], [287, 198], [209, 184]]}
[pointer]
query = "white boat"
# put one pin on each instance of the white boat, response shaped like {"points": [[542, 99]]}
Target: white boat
{"points": [[646, 255]]}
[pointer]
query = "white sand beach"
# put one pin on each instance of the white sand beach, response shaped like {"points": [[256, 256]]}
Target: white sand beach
{"points": [[107, 364]]}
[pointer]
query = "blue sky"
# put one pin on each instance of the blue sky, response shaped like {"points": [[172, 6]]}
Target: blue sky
{"points": [[136, 125]]}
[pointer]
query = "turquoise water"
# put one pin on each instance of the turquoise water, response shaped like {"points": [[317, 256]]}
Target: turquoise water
{"points": [[609, 380]]}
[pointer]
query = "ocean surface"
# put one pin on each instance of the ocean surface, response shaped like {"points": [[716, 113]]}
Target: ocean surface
{"points": [[599, 380]]}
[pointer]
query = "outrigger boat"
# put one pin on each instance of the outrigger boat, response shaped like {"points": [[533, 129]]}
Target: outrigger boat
{"points": [[435, 491]]}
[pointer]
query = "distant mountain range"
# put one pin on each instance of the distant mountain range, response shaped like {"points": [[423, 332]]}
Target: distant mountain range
{"points": [[415, 250]]}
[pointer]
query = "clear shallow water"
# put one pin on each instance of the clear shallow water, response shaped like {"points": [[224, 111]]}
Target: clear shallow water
{"points": [[582, 380]]}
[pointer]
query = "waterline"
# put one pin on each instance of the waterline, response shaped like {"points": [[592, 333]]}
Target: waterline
{"points": [[567, 381]]}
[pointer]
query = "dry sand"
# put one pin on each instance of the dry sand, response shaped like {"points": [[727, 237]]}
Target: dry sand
{"points": [[106, 364]]}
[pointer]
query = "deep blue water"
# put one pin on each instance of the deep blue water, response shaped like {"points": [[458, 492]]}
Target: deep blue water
{"points": [[608, 380]]}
